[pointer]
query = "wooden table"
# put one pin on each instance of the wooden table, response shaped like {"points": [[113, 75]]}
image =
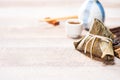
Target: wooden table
{"points": [[33, 50]]}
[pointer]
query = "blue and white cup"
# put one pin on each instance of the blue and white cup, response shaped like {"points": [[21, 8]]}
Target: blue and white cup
{"points": [[89, 10]]}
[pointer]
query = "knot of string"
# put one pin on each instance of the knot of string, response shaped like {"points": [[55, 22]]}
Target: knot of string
{"points": [[92, 39]]}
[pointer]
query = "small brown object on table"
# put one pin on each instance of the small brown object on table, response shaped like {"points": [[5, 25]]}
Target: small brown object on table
{"points": [[55, 21], [117, 52], [116, 43], [116, 32]]}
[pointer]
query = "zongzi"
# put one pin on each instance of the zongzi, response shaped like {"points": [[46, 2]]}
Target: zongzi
{"points": [[97, 43]]}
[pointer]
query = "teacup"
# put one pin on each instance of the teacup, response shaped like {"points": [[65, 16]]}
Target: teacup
{"points": [[73, 28]]}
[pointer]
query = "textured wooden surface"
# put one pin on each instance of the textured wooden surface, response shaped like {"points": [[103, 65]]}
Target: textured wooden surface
{"points": [[32, 50]]}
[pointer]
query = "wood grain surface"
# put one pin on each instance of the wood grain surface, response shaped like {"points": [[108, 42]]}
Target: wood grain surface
{"points": [[33, 50]]}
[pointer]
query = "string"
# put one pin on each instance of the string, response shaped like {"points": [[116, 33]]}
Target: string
{"points": [[93, 37]]}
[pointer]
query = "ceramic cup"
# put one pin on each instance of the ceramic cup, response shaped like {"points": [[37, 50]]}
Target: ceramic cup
{"points": [[73, 28]]}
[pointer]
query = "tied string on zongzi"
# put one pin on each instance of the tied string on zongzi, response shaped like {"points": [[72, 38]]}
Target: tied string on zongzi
{"points": [[93, 37]]}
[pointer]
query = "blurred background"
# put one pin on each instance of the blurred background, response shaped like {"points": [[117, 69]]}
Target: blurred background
{"points": [[34, 50], [26, 13]]}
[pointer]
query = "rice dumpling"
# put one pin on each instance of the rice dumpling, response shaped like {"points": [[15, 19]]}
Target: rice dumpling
{"points": [[97, 43]]}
